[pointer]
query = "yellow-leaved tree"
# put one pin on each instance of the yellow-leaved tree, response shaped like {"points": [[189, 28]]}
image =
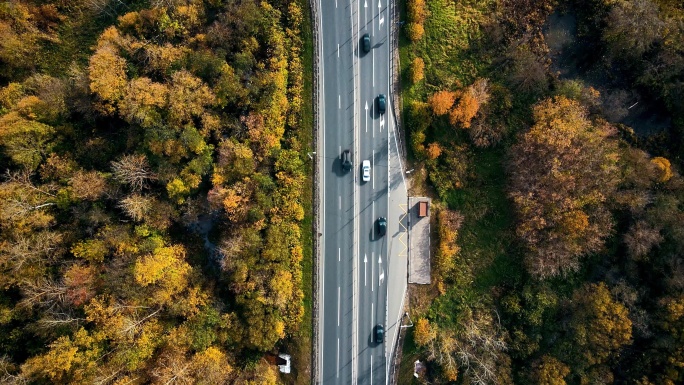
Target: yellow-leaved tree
{"points": [[600, 324], [166, 270]]}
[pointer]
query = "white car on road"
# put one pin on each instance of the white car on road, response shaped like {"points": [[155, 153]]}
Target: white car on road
{"points": [[365, 169]]}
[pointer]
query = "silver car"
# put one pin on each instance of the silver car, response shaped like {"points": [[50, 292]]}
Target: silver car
{"points": [[365, 170]]}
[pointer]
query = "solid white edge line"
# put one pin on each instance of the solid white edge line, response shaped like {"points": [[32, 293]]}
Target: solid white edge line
{"points": [[321, 268]]}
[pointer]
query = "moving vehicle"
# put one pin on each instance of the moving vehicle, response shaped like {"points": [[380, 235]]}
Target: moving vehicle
{"points": [[365, 170], [366, 43], [379, 334], [382, 226], [382, 103], [346, 160]]}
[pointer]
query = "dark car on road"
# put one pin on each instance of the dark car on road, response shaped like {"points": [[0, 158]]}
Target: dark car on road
{"points": [[382, 103], [346, 160], [366, 43], [382, 226], [379, 334]]}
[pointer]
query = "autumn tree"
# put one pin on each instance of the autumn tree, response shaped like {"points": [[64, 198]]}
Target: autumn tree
{"points": [[415, 31], [528, 72], [22, 29], [562, 172], [136, 206], [69, 359], [416, 11], [80, 282], [133, 170], [423, 332], [448, 249], [663, 169], [433, 150], [671, 314], [143, 102], [465, 110], [549, 371], [107, 72], [417, 70], [166, 270], [601, 326], [632, 27], [641, 238], [471, 100], [188, 97], [480, 349], [441, 102], [28, 242], [26, 141], [88, 185]]}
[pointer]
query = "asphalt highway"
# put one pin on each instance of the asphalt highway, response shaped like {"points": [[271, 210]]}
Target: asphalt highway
{"points": [[355, 258]]}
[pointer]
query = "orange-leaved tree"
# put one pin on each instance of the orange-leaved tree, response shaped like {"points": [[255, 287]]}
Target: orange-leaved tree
{"points": [[441, 101]]}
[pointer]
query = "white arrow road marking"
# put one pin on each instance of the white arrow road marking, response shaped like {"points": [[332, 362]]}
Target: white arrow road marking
{"points": [[366, 115], [339, 254], [382, 122], [382, 20], [381, 276], [365, 269]]}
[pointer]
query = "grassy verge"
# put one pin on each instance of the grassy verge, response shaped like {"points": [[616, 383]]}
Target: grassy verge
{"points": [[410, 353], [486, 237], [301, 344]]}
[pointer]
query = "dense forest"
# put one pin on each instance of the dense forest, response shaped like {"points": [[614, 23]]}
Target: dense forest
{"points": [[153, 224], [551, 134]]}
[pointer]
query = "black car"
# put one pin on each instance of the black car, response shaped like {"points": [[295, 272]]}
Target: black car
{"points": [[379, 334], [382, 226], [366, 43], [382, 103], [346, 160]]}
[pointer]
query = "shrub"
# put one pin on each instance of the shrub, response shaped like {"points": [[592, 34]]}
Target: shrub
{"points": [[417, 70], [415, 31]]}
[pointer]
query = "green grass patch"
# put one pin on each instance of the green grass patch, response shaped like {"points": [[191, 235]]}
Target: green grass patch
{"points": [[411, 353]]}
